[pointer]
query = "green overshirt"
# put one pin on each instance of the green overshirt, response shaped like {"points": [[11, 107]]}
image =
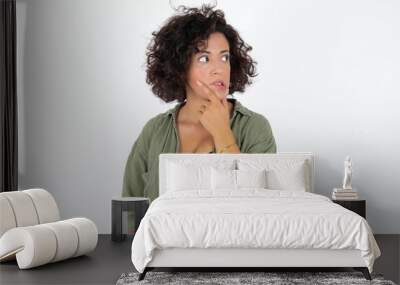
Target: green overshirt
{"points": [[159, 135]]}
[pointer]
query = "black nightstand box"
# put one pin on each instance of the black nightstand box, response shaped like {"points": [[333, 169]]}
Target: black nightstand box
{"points": [[357, 206], [138, 205]]}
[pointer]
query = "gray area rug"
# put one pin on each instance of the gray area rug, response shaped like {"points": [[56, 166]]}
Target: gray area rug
{"points": [[275, 278]]}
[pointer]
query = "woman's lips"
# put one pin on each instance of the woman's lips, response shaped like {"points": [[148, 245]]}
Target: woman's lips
{"points": [[219, 85]]}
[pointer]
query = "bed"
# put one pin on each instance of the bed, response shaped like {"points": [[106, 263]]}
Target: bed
{"points": [[247, 211]]}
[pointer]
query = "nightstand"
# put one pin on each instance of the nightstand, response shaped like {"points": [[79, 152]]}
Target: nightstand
{"points": [[138, 205], [357, 206]]}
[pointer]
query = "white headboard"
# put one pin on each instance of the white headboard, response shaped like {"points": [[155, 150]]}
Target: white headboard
{"points": [[211, 158]]}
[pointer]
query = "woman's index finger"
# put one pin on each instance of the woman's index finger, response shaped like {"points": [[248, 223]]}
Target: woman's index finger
{"points": [[208, 90]]}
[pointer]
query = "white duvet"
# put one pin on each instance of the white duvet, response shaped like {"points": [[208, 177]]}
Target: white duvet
{"points": [[251, 218]]}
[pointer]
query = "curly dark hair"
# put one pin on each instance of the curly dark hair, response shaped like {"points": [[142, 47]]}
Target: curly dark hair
{"points": [[171, 48]]}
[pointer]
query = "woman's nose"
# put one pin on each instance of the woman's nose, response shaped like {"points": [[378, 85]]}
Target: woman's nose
{"points": [[216, 69]]}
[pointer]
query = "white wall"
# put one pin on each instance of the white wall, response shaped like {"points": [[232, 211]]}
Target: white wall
{"points": [[329, 83]]}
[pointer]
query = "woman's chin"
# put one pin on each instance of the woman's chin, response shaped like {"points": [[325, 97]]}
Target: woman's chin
{"points": [[222, 95]]}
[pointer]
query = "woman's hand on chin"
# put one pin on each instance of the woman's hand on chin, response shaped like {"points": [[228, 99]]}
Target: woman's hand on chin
{"points": [[215, 118], [214, 112]]}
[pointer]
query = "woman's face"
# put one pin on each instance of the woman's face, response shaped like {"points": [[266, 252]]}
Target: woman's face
{"points": [[210, 65]]}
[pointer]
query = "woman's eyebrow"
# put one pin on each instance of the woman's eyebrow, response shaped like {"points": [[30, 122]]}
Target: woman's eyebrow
{"points": [[206, 51]]}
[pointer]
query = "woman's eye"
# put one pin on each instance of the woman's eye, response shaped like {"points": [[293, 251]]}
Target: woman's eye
{"points": [[203, 58], [226, 57]]}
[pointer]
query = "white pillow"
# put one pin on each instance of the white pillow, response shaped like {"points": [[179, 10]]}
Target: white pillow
{"points": [[227, 179], [223, 179], [251, 178], [281, 174], [289, 179], [182, 177]]}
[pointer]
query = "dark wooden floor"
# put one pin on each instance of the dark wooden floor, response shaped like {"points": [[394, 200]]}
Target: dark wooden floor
{"points": [[102, 266], [111, 259]]}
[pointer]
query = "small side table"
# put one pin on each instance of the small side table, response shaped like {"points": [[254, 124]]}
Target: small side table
{"points": [[138, 205], [357, 206]]}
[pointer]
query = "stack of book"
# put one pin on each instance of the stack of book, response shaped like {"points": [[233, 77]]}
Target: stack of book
{"points": [[344, 194]]}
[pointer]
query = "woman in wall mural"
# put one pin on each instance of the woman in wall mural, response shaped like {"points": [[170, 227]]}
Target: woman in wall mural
{"points": [[197, 59]]}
